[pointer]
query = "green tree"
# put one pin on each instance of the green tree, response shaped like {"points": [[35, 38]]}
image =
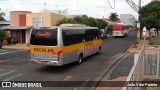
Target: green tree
{"points": [[113, 17], [87, 21], [2, 14], [101, 24], [2, 35], [150, 15]]}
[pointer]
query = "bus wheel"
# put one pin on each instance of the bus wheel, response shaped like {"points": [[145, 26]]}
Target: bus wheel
{"points": [[80, 58], [99, 50]]}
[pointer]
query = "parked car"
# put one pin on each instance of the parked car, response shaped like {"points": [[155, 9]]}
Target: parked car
{"points": [[0, 45], [103, 35]]}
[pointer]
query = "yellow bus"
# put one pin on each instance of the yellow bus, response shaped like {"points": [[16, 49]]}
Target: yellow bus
{"points": [[64, 44]]}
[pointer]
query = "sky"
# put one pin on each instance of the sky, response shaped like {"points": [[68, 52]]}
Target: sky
{"points": [[92, 8]]}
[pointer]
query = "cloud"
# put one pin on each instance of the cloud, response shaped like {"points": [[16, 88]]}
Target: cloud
{"points": [[93, 8]]}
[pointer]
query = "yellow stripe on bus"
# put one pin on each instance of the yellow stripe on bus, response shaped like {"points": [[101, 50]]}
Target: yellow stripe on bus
{"points": [[65, 49]]}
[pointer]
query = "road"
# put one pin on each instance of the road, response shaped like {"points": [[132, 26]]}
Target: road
{"points": [[21, 69]]}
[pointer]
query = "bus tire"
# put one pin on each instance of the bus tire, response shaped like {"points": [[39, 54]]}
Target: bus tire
{"points": [[80, 58], [99, 50]]}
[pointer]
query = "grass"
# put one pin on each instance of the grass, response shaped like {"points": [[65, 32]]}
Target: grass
{"points": [[155, 40], [135, 44]]}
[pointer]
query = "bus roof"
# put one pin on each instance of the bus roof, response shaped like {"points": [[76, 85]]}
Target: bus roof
{"points": [[68, 26], [76, 26]]}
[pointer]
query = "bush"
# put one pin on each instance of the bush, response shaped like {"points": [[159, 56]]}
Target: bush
{"points": [[155, 41], [2, 35], [9, 40], [87, 21]]}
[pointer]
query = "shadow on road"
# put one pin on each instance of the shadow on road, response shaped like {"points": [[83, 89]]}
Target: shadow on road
{"points": [[67, 67]]}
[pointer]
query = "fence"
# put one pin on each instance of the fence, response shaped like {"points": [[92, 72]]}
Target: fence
{"points": [[146, 65]]}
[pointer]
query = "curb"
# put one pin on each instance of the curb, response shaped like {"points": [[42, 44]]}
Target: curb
{"points": [[103, 74]]}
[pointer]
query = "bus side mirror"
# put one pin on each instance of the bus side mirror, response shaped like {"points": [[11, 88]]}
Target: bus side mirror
{"points": [[95, 38], [83, 40]]}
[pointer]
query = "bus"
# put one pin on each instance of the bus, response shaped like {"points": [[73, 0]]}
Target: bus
{"points": [[119, 30], [64, 44]]}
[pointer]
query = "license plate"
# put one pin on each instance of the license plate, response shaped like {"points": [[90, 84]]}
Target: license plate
{"points": [[44, 62]]}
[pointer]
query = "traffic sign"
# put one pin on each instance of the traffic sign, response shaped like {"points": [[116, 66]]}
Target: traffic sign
{"points": [[138, 25], [144, 31]]}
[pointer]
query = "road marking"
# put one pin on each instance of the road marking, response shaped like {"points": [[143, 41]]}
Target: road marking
{"points": [[6, 60], [75, 89], [1, 70], [12, 77], [67, 78], [10, 52], [3, 74], [3, 50]]}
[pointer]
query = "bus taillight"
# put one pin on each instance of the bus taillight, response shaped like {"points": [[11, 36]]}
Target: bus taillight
{"points": [[59, 52]]}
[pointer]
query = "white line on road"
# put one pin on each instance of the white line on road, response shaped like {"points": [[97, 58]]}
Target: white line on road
{"points": [[2, 70], [67, 78], [3, 74], [3, 50], [75, 89], [10, 52], [12, 77]]}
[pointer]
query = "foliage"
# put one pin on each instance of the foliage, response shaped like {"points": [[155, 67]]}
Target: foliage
{"points": [[2, 35], [84, 20], [1, 16], [113, 17], [150, 15], [155, 41]]}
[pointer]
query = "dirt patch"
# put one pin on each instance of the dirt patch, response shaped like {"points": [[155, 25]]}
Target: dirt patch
{"points": [[134, 50]]}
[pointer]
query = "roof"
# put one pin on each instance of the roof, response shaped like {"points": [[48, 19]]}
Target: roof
{"points": [[15, 27], [5, 22]]}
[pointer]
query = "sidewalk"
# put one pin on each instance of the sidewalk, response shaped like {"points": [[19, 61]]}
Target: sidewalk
{"points": [[19, 46], [123, 68], [120, 72]]}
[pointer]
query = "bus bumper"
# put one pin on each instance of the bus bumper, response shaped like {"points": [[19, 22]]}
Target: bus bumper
{"points": [[115, 34], [47, 62]]}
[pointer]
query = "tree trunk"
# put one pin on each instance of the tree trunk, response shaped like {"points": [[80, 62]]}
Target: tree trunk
{"points": [[157, 32]]}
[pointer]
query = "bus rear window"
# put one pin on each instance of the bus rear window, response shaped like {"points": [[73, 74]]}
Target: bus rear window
{"points": [[46, 37]]}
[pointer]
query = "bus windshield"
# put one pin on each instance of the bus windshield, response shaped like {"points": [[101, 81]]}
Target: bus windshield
{"points": [[47, 37]]}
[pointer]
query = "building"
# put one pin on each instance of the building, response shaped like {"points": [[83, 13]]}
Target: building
{"points": [[64, 13], [44, 19], [128, 19], [18, 28], [23, 21]]}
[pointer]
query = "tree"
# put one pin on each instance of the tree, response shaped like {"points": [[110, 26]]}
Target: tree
{"points": [[2, 35], [113, 17], [87, 21], [150, 15], [1, 16]]}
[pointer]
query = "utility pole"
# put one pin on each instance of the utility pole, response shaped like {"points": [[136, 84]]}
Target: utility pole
{"points": [[139, 33], [44, 6], [139, 4]]}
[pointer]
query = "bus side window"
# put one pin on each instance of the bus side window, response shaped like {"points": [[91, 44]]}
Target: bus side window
{"points": [[72, 37]]}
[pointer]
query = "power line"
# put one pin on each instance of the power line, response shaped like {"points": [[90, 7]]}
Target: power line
{"points": [[133, 5], [111, 5]]}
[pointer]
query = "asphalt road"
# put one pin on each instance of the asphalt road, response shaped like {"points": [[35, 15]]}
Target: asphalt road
{"points": [[21, 69]]}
